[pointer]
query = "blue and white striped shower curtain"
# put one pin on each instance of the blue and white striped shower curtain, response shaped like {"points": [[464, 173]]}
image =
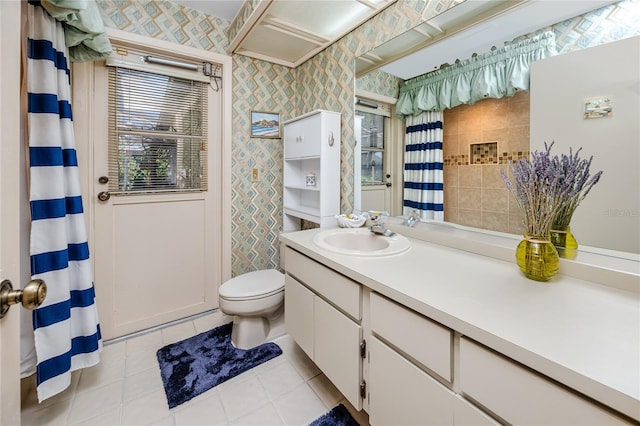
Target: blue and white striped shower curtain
{"points": [[423, 161], [66, 328]]}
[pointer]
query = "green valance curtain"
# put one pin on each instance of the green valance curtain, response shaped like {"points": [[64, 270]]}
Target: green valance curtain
{"points": [[498, 73], [83, 28]]}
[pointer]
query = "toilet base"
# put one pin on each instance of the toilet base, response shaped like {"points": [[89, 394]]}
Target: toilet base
{"points": [[249, 332]]}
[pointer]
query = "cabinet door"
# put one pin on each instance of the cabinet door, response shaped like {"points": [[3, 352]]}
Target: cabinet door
{"points": [[337, 350], [302, 137], [298, 313], [466, 414], [402, 394]]}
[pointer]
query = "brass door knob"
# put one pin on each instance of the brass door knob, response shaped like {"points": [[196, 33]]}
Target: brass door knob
{"points": [[31, 296], [104, 196]]}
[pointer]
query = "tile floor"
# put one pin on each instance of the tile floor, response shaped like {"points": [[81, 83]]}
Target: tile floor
{"points": [[126, 389]]}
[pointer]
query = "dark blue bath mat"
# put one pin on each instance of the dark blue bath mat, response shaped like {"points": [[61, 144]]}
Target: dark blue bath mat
{"points": [[195, 365], [338, 416]]}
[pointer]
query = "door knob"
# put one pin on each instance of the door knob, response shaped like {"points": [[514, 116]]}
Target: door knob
{"points": [[104, 196], [31, 296]]}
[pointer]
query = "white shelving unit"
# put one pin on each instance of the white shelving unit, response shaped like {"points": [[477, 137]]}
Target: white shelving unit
{"points": [[311, 146]]}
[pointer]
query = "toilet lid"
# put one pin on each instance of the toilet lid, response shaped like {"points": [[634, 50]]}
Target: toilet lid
{"points": [[252, 285]]}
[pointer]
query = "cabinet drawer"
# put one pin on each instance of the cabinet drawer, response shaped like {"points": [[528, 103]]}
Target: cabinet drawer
{"points": [[427, 342], [336, 288], [520, 396], [402, 394]]}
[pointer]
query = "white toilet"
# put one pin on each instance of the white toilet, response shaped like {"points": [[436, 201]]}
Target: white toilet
{"points": [[256, 299]]}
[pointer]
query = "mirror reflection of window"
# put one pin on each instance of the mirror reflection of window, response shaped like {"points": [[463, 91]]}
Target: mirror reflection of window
{"points": [[373, 147]]}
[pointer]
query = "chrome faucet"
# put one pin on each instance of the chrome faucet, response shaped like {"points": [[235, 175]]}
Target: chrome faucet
{"points": [[413, 218], [377, 224]]}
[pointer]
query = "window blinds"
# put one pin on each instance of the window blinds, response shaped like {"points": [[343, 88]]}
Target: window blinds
{"points": [[157, 132]]}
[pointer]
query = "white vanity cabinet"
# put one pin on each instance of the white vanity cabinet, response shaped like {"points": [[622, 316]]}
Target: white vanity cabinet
{"points": [[311, 189], [429, 361], [323, 315]]}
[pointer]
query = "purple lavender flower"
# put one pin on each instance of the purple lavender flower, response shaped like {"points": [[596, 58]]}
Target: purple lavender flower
{"points": [[549, 188]]}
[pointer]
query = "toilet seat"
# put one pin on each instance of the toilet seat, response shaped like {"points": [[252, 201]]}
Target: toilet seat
{"points": [[253, 285]]}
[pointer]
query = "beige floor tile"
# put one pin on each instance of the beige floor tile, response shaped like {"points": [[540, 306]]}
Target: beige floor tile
{"points": [[126, 389], [166, 421], [145, 410], [280, 379], [110, 418], [50, 415], [178, 332], [241, 397], [263, 416], [300, 406], [302, 363], [140, 361], [200, 411], [107, 371], [260, 368], [325, 390], [142, 383], [97, 401], [111, 351], [150, 341]]}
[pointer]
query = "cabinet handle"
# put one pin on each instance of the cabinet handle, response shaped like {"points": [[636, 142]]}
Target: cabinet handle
{"points": [[331, 139]]}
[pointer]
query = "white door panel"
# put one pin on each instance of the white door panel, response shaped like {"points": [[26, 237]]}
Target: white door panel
{"points": [[11, 168], [157, 257]]}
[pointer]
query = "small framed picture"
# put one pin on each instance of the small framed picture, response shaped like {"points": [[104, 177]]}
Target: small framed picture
{"points": [[265, 124]]}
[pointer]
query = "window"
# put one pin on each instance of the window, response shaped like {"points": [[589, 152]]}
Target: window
{"points": [[157, 132], [373, 147]]}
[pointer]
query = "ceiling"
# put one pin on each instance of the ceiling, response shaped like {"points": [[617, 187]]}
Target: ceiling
{"points": [[468, 28], [288, 32]]}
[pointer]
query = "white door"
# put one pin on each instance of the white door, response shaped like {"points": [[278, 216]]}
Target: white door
{"points": [[372, 191], [157, 257], [10, 147]]}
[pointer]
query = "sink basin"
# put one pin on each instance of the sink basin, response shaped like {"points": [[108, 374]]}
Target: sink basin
{"points": [[360, 242]]}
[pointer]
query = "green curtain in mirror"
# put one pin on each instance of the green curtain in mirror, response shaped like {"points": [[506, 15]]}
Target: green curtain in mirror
{"points": [[498, 73]]}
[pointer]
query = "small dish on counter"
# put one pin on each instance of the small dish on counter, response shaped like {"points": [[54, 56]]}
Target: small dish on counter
{"points": [[350, 220]]}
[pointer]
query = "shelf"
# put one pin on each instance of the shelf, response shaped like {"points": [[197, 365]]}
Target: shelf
{"points": [[303, 187], [311, 146], [306, 213], [311, 157]]}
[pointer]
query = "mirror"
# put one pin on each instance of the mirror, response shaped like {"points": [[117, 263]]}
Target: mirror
{"points": [[444, 35]]}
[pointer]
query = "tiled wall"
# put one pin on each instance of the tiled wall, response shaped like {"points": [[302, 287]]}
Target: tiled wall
{"points": [[325, 81], [475, 194]]}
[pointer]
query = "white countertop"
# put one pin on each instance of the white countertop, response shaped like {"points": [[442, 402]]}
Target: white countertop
{"points": [[582, 334]]}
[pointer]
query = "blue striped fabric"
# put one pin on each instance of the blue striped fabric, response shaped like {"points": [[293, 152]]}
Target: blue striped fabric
{"points": [[66, 328], [423, 166]]}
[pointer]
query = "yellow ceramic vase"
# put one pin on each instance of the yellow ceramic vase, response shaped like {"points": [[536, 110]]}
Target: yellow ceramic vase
{"points": [[537, 257], [565, 242]]}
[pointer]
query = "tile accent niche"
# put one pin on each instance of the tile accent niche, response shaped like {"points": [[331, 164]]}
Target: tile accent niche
{"points": [[479, 140]]}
